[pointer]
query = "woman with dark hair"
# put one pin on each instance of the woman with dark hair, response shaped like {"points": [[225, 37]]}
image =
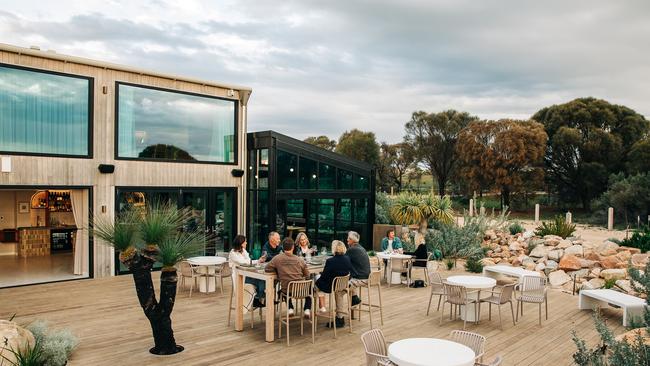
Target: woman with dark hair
{"points": [[239, 256]]}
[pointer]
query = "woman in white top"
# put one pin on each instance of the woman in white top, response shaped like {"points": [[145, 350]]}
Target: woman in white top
{"points": [[239, 256], [302, 247]]}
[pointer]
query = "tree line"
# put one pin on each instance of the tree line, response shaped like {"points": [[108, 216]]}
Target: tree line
{"points": [[571, 150]]}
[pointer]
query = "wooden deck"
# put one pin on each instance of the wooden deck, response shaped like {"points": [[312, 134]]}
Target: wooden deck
{"points": [[105, 315]]}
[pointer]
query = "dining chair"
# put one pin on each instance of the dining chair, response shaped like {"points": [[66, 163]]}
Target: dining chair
{"points": [[500, 295], [374, 345], [299, 291], [437, 288], [474, 341], [531, 289], [401, 266], [339, 284], [422, 264], [367, 306], [222, 271], [187, 270], [457, 296], [496, 362]]}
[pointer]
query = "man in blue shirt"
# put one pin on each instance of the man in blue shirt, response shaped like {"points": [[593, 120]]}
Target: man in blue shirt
{"points": [[272, 247]]}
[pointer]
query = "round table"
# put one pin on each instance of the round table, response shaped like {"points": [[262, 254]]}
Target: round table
{"points": [[472, 283], [206, 269], [396, 278], [430, 352]]}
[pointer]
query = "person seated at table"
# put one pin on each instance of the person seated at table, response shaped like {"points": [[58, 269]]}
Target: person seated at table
{"points": [[336, 266], [302, 247], [360, 265], [239, 256], [289, 267], [420, 253], [391, 243], [271, 248]]}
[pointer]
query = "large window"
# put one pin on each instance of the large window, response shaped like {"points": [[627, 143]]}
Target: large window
{"points": [[44, 113], [287, 170], [308, 173], [167, 125], [326, 176]]}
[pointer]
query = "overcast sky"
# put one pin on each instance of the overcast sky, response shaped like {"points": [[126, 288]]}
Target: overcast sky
{"points": [[323, 67]]}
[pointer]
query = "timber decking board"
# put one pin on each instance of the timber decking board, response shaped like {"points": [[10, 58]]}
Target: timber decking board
{"points": [[105, 315]]}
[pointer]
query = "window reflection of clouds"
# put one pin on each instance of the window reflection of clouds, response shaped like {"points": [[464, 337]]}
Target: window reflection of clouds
{"points": [[197, 125]]}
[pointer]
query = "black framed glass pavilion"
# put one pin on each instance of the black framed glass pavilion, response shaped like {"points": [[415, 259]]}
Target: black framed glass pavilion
{"points": [[296, 187]]}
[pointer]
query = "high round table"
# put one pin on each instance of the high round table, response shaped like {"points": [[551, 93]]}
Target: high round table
{"points": [[395, 278], [430, 352], [472, 283], [207, 266]]}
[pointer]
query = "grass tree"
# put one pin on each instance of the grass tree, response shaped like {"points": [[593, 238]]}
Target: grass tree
{"points": [[142, 238], [411, 208]]}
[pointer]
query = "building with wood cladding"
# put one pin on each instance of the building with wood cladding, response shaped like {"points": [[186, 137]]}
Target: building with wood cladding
{"points": [[80, 137]]}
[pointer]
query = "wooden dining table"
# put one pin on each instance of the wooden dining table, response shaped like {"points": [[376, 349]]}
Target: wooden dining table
{"points": [[316, 265]]}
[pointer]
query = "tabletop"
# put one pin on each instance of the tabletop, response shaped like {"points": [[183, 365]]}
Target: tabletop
{"points": [[384, 255], [206, 260], [477, 282], [429, 352]]}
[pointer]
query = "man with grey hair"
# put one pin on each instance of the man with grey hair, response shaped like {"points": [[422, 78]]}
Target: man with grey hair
{"points": [[360, 265], [272, 247]]}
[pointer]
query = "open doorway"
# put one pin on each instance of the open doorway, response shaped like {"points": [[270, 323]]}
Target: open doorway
{"points": [[43, 235]]}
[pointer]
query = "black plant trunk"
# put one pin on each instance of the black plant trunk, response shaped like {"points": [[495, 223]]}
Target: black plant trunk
{"points": [[157, 313]]}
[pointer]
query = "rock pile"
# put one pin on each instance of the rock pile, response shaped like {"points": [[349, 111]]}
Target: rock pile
{"points": [[592, 265]]}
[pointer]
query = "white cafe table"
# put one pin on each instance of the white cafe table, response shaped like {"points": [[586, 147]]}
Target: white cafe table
{"points": [[430, 352], [396, 278], [207, 266], [472, 283]]}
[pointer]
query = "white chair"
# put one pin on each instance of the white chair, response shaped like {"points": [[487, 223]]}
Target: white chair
{"points": [[474, 341], [374, 345], [374, 280], [457, 296], [339, 284], [299, 291], [401, 266], [496, 362], [221, 272], [437, 288], [532, 290], [187, 270]]}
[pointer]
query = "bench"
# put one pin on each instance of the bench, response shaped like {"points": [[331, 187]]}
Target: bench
{"points": [[605, 298], [518, 272]]}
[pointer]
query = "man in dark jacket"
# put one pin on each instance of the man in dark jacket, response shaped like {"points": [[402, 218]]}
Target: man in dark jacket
{"points": [[360, 265], [272, 247], [338, 265]]}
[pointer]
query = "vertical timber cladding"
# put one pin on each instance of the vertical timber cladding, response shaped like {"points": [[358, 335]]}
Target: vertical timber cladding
{"points": [[63, 171]]}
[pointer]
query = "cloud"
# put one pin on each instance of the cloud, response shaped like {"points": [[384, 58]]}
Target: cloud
{"points": [[325, 67]]}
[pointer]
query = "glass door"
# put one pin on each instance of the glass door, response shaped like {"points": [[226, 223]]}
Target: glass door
{"points": [[222, 219]]}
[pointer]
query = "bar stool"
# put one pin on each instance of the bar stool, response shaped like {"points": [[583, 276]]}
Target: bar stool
{"points": [[373, 280]]}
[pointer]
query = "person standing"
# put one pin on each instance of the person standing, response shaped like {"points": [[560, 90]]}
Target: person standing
{"points": [[360, 265]]}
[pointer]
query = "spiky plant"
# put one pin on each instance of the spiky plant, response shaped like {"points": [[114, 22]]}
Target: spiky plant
{"points": [[180, 246], [407, 209], [121, 233], [410, 208]]}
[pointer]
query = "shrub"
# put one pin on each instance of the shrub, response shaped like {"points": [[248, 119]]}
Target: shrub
{"points": [[383, 204], [609, 283], [516, 228], [485, 222], [639, 239], [455, 242], [473, 265], [56, 346], [629, 196], [557, 227], [450, 263]]}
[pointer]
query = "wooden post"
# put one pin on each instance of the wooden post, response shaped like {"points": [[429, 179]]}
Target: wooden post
{"points": [[392, 193], [610, 218], [471, 207], [568, 217], [482, 210], [536, 213]]}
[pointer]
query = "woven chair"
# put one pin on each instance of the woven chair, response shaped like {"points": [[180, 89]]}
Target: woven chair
{"points": [[367, 306], [376, 349], [187, 270], [437, 288], [500, 295], [399, 265], [423, 265], [339, 284], [221, 272], [299, 291], [532, 289], [472, 340], [496, 362], [249, 295], [457, 296]]}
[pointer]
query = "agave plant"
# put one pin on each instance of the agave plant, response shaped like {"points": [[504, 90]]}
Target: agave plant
{"points": [[410, 208], [144, 238]]}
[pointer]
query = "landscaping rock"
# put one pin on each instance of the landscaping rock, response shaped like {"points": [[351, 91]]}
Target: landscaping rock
{"points": [[14, 337], [586, 263], [592, 256], [552, 265], [610, 262], [552, 240], [558, 278], [639, 260], [487, 262], [563, 244], [515, 246], [629, 249], [539, 251], [607, 248], [570, 263], [540, 267], [574, 250], [594, 283], [555, 254], [608, 274], [581, 273], [595, 272], [625, 286], [530, 266]]}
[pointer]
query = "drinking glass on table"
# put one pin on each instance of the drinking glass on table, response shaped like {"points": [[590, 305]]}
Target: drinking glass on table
{"points": [[262, 257]]}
